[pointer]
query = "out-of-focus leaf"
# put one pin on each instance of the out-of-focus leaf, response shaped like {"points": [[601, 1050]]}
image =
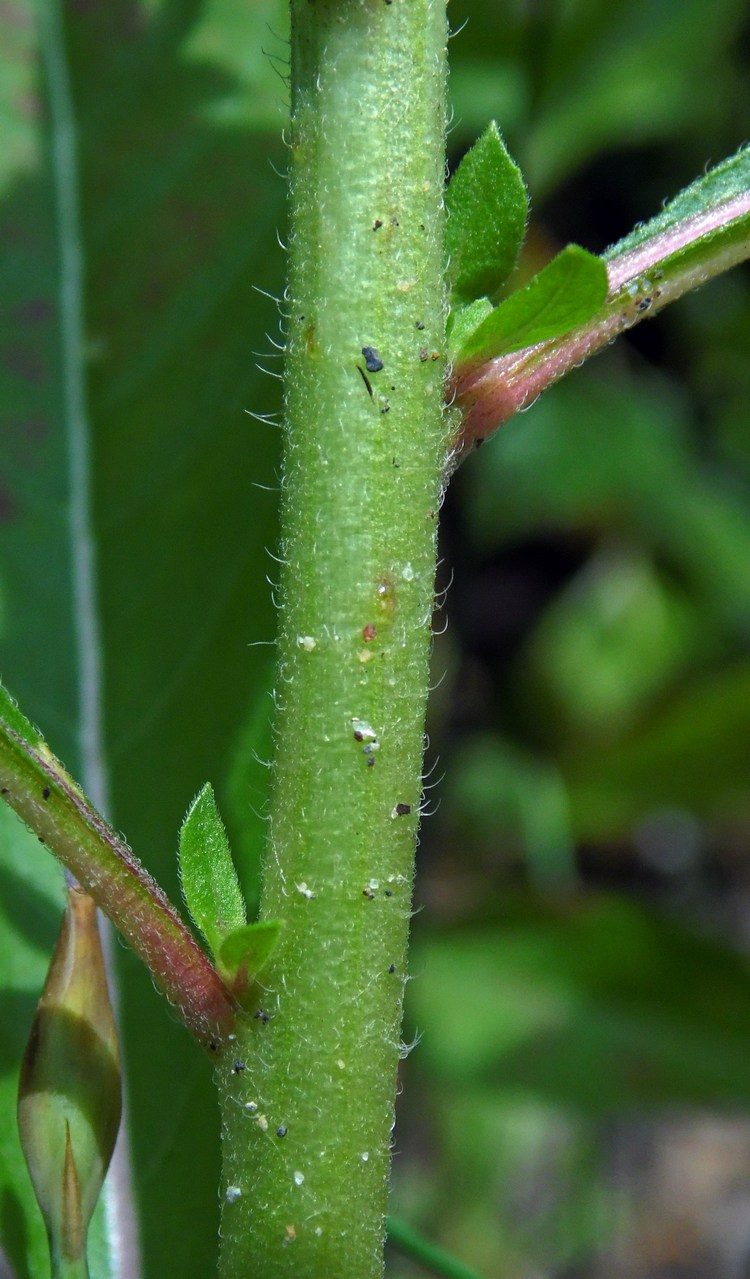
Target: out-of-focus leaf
{"points": [[517, 1180], [612, 453], [501, 797], [691, 755], [612, 641], [487, 207], [564, 294], [178, 206], [600, 1005], [621, 75], [482, 89], [37, 629]]}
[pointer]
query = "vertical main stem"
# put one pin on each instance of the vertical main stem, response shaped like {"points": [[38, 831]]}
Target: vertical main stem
{"points": [[308, 1090]]}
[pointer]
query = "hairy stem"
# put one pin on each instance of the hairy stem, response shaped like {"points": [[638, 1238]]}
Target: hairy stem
{"points": [[309, 1091], [644, 277], [37, 787]]}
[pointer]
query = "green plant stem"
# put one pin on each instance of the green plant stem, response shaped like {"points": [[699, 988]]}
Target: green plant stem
{"points": [[364, 453], [643, 279], [37, 787], [430, 1255]]}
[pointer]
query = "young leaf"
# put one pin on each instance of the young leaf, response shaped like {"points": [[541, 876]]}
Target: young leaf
{"points": [[245, 951], [17, 721], [487, 207], [465, 320], [562, 295], [727, 181], [704, 230], [209, 881]]}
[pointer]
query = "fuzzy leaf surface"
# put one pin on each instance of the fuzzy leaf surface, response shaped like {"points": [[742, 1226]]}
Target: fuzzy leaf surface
{"points": [[727, 181], [487, 208], [244, 952], [209, 880], [565, 293]]}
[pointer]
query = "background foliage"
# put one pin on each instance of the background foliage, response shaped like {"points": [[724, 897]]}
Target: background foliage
{"points": [[580, 957]]}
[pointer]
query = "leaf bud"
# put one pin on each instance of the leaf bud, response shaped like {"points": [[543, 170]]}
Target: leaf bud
{"points": [[69, 1098]]}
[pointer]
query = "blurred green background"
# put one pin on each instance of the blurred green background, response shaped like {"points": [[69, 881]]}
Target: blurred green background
{"points": [[578, 1103]]}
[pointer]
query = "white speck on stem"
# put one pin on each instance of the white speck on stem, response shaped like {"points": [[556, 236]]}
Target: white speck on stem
{"points": [[363, 732], [233, 1193], [299, 1177]]}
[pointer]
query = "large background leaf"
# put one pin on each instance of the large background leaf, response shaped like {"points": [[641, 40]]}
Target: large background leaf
{"points": [[179, 206]]}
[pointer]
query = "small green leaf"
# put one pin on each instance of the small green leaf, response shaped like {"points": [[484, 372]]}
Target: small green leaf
{"points": [[709, 219], [562, 295], [466, 320], [17, 721], [246, 950], [209, 881], [487, 207], [728, 180]]}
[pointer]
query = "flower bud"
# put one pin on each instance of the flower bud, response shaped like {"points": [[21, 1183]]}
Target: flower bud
{"points": [[69, 1098]]}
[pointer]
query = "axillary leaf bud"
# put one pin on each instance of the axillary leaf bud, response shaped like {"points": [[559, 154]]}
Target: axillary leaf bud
{"points": [[69, 1098]]}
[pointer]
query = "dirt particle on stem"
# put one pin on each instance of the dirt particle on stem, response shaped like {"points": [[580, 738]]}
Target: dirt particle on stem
{"points": [[373, 362], [385, 593], [365, 379]]}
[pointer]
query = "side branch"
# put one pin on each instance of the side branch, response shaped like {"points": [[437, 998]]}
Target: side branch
{"points": [[36, 786], [643, 279]]}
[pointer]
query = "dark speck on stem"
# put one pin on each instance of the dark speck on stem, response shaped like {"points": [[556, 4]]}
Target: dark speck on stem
{"points": [[365, 379], [373, 362]]}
